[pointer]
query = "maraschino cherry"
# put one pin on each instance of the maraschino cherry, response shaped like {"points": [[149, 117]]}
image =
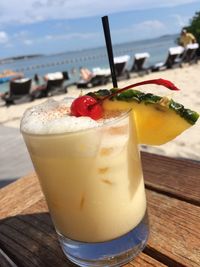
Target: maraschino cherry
{"points": [[90, 107], [86, 106]]}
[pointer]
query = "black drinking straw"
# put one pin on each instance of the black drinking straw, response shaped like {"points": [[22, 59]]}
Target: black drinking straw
{"points": [[106, 29]]}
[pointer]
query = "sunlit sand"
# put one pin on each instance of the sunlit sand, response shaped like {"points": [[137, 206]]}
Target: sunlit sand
{"points": [[187, 145]]}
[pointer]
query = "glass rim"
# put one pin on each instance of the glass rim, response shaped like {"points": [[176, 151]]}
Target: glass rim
{"points": [[111, 121]]}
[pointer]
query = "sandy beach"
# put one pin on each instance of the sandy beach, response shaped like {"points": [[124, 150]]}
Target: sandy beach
{"points": [[187, 145]]}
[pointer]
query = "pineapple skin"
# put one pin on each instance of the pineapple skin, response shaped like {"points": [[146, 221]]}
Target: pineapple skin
{"points": [[156, 124]]}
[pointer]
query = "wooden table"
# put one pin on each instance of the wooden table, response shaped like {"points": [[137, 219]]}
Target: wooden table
{"points": [[27, 236]]}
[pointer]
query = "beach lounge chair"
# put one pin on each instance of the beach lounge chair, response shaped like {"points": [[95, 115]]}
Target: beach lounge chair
{"points": [[190, 54], [98, 77], [55, 85], [138, 63], [56, 75], [52, 87], [19, 92], [173, 59], [120, 64]]}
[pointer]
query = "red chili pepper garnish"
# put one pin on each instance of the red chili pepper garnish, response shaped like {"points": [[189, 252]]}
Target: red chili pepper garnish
{"points": [[90, 107]]}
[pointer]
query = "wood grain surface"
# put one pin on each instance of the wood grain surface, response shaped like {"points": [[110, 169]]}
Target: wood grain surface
{"points": [[27, 235], [179, 178]]}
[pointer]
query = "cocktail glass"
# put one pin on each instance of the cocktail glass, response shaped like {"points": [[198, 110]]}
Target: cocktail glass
{"points": [[93, 184]]}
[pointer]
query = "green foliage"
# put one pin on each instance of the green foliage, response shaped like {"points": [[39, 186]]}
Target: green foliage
{"points": [[194, 26]]}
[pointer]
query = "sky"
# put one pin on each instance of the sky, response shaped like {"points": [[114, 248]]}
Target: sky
{"points": [[55, 26]]}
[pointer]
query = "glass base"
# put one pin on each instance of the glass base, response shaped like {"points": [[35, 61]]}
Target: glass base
{"points": [[115, 252]]}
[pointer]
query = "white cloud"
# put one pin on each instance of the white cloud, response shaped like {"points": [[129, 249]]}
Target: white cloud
{"points": [[180, 20], [9, 45], [145, 29], [38, 10], [20, 34], [152, 25], [3, 37], [28, 42], [49, 37], [73, 36]]}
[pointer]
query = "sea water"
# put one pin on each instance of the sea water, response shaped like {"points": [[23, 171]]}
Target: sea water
{"points": [[90, 58]]}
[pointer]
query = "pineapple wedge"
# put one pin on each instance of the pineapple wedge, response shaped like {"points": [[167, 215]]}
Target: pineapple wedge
{"points": [[158, 119]]}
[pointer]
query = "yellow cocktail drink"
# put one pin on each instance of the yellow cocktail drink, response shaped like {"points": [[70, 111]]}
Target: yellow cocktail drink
{"points": [[90, 171]]}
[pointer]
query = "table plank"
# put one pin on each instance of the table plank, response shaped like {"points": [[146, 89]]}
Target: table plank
{"points": [[30, 239], [175, 230], [160, 175], [143, 260], [19, 195], [5, 261], [179, 178], [28, 236]]}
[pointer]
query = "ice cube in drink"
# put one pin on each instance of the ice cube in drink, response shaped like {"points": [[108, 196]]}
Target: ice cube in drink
{"points": [[90, 171]]}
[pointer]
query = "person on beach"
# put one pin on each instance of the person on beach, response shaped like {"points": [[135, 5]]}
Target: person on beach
{"points": [[85, 74], [186, 38], [36, 79]]}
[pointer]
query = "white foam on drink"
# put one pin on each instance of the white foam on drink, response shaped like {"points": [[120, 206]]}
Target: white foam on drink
{"points": [[52, 117]]}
